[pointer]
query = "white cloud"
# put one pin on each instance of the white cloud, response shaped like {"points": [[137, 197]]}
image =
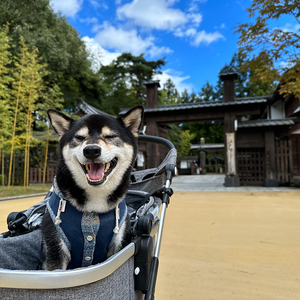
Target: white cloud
{"points": [[99, 4], [98, 55], [196, 19], [288, 27], [196, 38], [155, 51], [121, 40], [177, 79], [67, 7], [156, 14], [89, 20], [203, 37], [194, 5]]}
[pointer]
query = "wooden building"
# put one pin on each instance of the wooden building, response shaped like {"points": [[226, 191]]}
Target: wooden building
{"points": [[261, 134]]}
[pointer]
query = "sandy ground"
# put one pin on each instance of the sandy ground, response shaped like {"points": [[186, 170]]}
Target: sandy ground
{"points": [[224, 245], [6, 207], [231, 246]]}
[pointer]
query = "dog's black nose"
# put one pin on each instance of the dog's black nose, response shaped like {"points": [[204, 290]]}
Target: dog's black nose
{"points": [[92, 151]]}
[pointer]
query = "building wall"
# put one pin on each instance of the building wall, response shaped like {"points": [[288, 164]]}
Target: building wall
{"points": [[295, 138]]}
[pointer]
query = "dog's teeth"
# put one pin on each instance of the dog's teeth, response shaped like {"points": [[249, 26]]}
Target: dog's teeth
{"points": [[88, 177], [107, 166]]}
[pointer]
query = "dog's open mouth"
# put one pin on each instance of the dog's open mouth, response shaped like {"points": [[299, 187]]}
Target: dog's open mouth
{"points": [[96, 173]]}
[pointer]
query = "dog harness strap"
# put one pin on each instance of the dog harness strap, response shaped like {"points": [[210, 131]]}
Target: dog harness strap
{"points": [[90, 224], [87, 235], [51, 209]]}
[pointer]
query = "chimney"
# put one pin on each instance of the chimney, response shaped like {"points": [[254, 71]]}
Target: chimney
{"points": [[228, 86], [151, 101]]}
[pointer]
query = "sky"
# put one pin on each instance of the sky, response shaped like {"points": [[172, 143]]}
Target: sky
{"points": [[196, 37]]}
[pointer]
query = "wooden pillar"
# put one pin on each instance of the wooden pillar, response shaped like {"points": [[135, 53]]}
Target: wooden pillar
{"points": [[153, 156], [271, 180], [228, 86], [202, 157], [231, 175]]}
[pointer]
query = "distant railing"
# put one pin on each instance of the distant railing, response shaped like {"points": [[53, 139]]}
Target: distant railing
{"points": [[17, 174], [36, 175]]}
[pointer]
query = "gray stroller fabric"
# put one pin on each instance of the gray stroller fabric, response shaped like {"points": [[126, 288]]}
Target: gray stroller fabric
{"points": [[23, 252], [117, 286], [150, 180]]}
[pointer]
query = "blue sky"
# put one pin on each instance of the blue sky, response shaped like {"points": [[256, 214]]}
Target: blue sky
{"points": [[196, 37]]}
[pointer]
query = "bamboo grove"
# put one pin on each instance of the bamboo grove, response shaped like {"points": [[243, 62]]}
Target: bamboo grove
{"points": [[24, 98]]}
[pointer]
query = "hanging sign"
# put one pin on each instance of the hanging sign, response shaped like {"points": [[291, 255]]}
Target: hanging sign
{"points": [[230, 143]]}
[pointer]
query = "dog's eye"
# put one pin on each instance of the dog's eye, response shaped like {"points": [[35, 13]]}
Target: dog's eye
{"points": [[109, 137], [79, 137]]}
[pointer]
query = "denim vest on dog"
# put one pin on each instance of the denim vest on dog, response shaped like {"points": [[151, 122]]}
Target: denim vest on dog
{"points": [[88, 235]]}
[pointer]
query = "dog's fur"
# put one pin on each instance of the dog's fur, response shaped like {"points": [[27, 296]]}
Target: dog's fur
{"points": [[117, 139]]}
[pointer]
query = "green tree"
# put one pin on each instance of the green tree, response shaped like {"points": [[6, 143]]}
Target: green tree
{"points": [[52, 99], [59, 45], [5, 81], [273, 53], [128, 73], [208, 93], [169, 94], [244, 87], [26, 90], [5, 96], [175, 136], [187, 138], [35, 88]]}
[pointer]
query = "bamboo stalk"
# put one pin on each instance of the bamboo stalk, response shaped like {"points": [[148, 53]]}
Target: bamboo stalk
{"points": [[26, 148], [46, 157], [3, 166], [13, 169], [14, 128], [28, 156]]}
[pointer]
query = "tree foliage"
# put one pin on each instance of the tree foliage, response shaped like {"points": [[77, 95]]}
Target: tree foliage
{"points": [[169, 94], [125, 78], [186, 142], [5, 81], [59, 45], [273, 53]]}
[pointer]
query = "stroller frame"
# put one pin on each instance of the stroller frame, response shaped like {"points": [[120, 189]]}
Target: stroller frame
{"points": [[146, 263]]}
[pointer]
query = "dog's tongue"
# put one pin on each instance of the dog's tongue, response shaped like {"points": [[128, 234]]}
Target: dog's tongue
{"points": [[96, 171]]}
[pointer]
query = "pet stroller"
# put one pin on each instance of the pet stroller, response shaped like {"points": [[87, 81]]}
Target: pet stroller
{"points": [[129, 274]]}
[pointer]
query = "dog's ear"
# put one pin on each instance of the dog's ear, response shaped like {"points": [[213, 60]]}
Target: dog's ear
{"points": [[60, 122], [133, 119]]}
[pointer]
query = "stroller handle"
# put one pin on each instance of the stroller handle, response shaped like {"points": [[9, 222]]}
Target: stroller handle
{"points": [[156, 140]]}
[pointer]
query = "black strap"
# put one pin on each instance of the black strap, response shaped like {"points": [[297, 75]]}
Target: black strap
{"points": [[159, 193]]}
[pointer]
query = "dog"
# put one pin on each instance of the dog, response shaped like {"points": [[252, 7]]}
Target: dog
{"points": [[86, 218]]}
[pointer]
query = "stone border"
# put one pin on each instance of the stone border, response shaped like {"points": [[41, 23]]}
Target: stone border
{"points": [[22, 196]]}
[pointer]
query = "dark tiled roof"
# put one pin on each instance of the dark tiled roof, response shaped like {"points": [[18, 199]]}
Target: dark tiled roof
{"points": [[238, 101], [265, 123], [89, 109], [222, 76], [152, 82]]}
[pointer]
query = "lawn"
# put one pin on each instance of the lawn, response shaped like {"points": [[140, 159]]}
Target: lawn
{"points": [[20, 190]]}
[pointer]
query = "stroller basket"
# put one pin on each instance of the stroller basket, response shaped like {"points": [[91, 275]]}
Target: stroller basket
{"points": [[130, 273]]}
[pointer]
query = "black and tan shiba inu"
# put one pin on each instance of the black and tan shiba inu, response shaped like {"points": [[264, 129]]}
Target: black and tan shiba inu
{"points": [[86, 218]]}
